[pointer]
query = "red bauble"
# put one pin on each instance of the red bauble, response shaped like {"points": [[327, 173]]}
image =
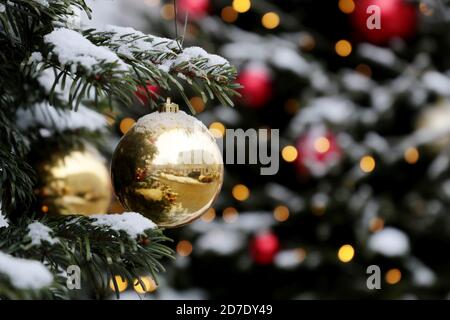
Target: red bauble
{"points": [[142, 94], [196, 9], [257, 86], [398, 20], [318, 151], [264, 247]]}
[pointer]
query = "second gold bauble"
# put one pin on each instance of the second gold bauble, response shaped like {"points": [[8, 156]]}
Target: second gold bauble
{"points": [[168, 167], [74, 182]]}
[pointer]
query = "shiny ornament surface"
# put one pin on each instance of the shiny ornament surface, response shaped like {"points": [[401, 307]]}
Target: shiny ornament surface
{"points": [[398, 19], [168, 167], [264, 247], [76, 182], [257, 86], [195, 9]]}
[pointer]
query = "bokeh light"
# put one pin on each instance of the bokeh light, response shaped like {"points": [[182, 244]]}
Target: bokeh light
{"points": [[209, 215], [346, 253], [184, 248], [122, 284], [126, 124], [198, 104], [149, 285], [241, 192], [347, 6], [322, 144], [393, 276], [281, 213], [242, 6], [343, 48], [411, 155], [217, 129], [289, 153], [270, 20], [168, 12], [229, 15], [367, 164], [230, 215]]}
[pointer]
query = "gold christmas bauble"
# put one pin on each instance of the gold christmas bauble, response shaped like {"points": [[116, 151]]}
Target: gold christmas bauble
{"points": [[167, 167], [74, 182]]}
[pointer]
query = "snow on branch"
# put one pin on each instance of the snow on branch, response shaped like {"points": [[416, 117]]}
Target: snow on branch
{"points": [[3, 221], [164, 53], [72, 49], [25, 274], [45, 116], [39, 233], [131, 223]]}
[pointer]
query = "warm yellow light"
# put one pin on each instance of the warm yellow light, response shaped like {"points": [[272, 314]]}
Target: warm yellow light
{"points": [[376, 224], [229, 15], [149, 285], [44, 209], [209, 215], [343, 48], [242, 6], [168, 12], [122, 284], [411, 155], [240, 192], [367, 164], [230, 215], [347, 6], [393, 276], [270, 20], [198, 104], [322, 145], [346, 253], [281, 213], [126, 124], [184, 248], [217, 129], [289, 153], [364, 69]]}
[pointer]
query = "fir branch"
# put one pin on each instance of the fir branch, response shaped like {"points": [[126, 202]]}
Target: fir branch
{"points": [[100, 252]]}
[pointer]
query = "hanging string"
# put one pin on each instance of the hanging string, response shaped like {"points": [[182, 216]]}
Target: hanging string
{"points": [[176, 24]]}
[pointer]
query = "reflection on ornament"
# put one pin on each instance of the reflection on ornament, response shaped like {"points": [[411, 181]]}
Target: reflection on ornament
{"points": [[76, 182], [168, 167]]}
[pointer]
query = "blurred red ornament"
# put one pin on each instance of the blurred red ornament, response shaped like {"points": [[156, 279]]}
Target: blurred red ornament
{"points": [[196, 9], [142, 94], [257, 86], [264, 247], [398, 19], [318, 151]]}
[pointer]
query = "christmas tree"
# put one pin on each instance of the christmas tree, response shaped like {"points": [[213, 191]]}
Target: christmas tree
{"points": [[60, 84], [359, 90]]}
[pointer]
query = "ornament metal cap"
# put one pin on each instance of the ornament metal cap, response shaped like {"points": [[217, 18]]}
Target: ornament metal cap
{"points": [[169, 106]]}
